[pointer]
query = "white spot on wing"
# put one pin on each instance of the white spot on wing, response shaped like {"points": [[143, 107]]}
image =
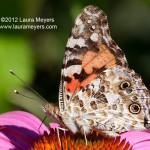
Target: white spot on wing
{"points": [[111, 97], [78, 21], [72, 42], [88, 21], [81, 28], [94, 37], [72, 69], [91, 14]]}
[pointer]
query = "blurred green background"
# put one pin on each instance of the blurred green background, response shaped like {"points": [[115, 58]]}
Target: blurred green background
{"points": [[36, 55]]}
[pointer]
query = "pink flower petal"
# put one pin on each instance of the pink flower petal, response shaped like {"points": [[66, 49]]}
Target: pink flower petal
{"points": [[140, 140], [54, 125], [19, 130]]}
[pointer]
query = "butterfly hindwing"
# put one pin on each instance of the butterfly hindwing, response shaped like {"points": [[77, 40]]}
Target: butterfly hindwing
{"points": [[113, 102]]}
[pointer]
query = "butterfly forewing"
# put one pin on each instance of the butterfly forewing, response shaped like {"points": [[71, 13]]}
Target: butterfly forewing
{"points": [[89, 51]]}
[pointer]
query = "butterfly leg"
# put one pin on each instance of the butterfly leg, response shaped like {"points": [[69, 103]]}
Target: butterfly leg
{"points": [[85, 136], [57, 129], [84, 127]]}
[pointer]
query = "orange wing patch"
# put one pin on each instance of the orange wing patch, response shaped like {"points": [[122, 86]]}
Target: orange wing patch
{"points": [[91, 61], [72, 85], [88, 80]]}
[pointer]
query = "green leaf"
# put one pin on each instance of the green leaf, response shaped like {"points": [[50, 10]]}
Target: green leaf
{"points": [[16, 55]]}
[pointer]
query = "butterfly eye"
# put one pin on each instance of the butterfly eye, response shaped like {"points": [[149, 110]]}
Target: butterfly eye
{"points": [[135, 108], [125, 85]]}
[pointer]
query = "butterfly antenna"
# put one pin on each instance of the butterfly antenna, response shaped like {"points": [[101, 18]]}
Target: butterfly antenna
{"points": [[27, 86], [17, 92]]}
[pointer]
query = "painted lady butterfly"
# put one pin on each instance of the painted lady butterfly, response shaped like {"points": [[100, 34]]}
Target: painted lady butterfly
{"points": [[97, 89]]}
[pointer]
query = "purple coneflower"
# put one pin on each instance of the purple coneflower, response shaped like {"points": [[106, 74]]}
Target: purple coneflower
{"points": [[20, 131]]}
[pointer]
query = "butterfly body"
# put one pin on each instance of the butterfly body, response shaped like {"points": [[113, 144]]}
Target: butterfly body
{"points": [[97, 90]]}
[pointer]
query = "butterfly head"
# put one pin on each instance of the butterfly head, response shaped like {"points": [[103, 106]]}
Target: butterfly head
{"points": [[51, 110]]}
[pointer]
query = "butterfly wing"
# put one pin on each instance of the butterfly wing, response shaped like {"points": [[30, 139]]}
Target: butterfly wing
{"points": [[114, 102], [89, 51]]}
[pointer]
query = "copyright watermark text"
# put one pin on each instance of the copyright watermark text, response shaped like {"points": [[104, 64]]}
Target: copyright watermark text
{"points": [[27, 23]]}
